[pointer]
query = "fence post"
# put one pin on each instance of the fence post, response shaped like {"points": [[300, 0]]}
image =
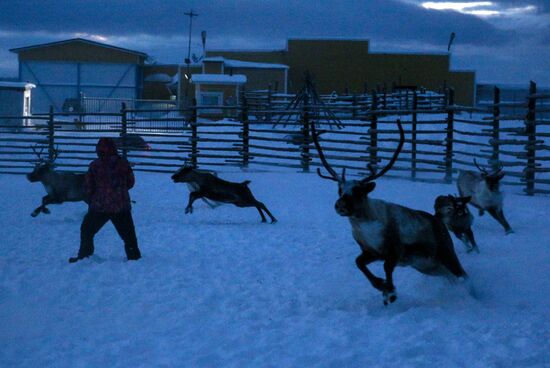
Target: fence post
{"points": [[124, 129], [268, 107], [304, 148], [449, 140], [194, 134], [245, 131], [373, 153], [354, 106], [51, 134], [496, 128], [413, 135], [530, 130]]}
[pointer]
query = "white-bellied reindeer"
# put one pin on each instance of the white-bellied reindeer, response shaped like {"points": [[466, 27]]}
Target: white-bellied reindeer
{"points": [[60, 186], [483, 187], [388, 232]]}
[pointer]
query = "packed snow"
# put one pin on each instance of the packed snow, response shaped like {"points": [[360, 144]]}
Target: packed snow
{"points": [[219, 288]]}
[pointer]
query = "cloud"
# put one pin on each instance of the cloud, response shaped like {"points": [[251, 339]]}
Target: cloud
{"points": [[160, 28]]}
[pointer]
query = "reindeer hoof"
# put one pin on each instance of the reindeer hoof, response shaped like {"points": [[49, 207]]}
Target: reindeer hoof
{"points": [[189, 210], [34, 214], [274, 221], [46, 211], [509, 231], [389, 297]]}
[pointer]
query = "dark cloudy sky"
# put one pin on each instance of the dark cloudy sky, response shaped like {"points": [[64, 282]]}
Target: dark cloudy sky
{"points": [[504, 41]]}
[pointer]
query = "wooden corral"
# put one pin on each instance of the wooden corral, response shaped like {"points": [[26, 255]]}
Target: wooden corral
{"points": [[442, 137]]}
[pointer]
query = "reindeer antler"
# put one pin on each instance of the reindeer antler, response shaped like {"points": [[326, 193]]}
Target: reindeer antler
{"points": [[55, 152], [480, 168], [38, 153], [374, 175], [333, 175], [498, 169]]}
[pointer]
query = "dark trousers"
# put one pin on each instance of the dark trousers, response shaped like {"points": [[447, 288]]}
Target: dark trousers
{"points": [[124, 225]]}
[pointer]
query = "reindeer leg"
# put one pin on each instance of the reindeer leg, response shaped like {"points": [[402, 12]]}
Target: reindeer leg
{"points": [[499, 216], [469, 234], [261, 213], [193, 196], [260, 206], [362, 261], [42, 208], [389, 289]]}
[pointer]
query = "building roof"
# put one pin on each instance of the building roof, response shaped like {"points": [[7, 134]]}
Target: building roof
{"points": [[218, 79], [244, 64], [25, 48], [16, 85]]}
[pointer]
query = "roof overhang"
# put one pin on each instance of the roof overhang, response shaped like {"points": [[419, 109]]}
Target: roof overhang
{"points": [[234, 79]]}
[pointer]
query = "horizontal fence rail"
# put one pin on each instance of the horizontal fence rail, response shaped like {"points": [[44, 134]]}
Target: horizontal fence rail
{"points": [[264, 131]]}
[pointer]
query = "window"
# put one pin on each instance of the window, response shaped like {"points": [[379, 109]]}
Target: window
{"points": [[211, 98]]}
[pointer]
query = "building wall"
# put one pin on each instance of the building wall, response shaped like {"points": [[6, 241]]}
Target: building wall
{"points": [[213, 67], [57, 81], [347, 65], [261, 79], [11, 104]]}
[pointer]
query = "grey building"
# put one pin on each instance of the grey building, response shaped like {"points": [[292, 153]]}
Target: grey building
{"points": [[64, 70]]}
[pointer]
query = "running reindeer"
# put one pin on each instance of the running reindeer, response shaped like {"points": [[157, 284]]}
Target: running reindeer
{"points": [[396, 235], [60, 186], [204, 184], [483, 187], [454, 213]]}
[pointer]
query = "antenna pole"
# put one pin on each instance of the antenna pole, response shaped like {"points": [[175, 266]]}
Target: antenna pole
{"points": [[190, 14]]}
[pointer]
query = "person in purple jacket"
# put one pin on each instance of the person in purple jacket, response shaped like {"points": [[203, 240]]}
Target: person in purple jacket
{"points": [[108, 180]]}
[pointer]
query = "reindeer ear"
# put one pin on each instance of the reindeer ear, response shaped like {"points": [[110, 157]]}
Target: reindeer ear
{"points": [[368, 186]]}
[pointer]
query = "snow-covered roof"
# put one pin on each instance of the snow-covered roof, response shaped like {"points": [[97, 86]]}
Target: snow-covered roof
{"points": [[158, 77], [218, 78], [244, 64], [21, 85]]}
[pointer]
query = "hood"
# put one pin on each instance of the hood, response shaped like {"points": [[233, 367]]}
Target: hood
{"points": [[106, 147]]}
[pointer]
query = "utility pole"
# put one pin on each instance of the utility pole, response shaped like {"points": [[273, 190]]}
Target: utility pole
{"points": [[190, 14]]}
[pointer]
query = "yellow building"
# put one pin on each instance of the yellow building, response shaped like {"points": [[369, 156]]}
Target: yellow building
{"points": [[348, 65]]}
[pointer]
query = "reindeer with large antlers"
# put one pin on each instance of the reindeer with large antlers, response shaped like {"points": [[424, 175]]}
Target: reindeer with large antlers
{"points": [[388, 232], [60, 186], [483, 187]]}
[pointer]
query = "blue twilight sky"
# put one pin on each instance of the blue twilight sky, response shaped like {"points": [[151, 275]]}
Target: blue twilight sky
{"points": [[504, 41]]}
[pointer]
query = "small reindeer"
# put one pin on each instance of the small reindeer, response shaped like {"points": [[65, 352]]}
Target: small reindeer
{"points": [[483, 187], [454, 213], [388, 232], [60, 186], [207, 185]]}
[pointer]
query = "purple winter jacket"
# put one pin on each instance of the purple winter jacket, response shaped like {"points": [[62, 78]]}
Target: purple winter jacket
{"points": [[108, 179]]}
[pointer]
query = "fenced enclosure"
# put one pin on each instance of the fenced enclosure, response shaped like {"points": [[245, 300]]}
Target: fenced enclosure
{"points": [[267, 131]]}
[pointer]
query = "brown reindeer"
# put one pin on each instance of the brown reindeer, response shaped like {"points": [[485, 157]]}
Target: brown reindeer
{"points": [[388, 232], [454, 213], [207, 185]]}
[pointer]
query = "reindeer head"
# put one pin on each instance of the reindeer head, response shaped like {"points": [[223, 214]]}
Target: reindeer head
{"points": [[352, 192], [183, 175], [450, 205], [41, 166], [492, 179]]}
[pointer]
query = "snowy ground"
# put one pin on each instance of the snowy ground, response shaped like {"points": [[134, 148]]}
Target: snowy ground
{"points": [[218, 288]]}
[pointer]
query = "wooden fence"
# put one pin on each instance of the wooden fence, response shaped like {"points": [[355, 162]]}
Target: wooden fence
{"points": [[264, 132]]}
